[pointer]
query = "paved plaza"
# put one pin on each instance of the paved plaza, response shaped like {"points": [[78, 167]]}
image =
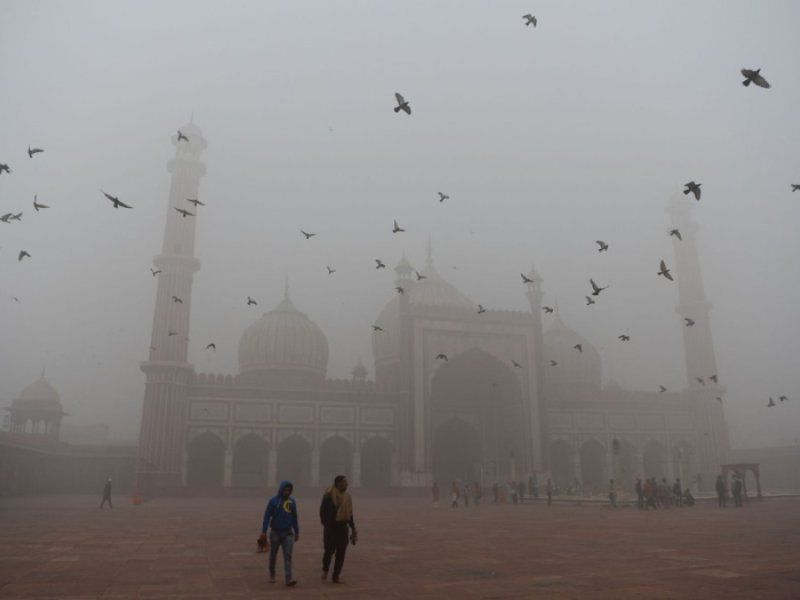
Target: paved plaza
{"points": [[65, 547]]}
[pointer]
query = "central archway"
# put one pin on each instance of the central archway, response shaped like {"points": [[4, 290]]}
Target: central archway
{"points": [[250, 461], [562, 463], [456, 452], [376, 463], [334, 459], [294, 461], [206, 461]]}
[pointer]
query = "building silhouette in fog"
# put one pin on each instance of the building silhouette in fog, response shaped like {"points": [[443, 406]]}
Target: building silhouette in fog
{"points": [[495, 410]]}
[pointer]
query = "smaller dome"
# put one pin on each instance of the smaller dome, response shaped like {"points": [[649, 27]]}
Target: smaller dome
{"points": [[577, 368], [39, 395]]}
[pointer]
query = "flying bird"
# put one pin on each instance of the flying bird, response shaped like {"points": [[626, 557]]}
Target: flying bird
{"points": [[396, 228], [662, 389], [714, 378], [783, 398], [700, 380], [603, 245], [553, 363], [308, 236], [689, 322], [330, 271], [176, 299], [665, 271], [251, 302], [36, 205], [676, 233], [624, 337], [596, 289], [402, 104], [579, 348], [420, 276], [116, 201], [184, 213], [400, 290], [443, 197], [16, 217], [6, 217], [4, 167], [548, 309], [32, 151], [719, 399], [377, 328], [795, 186], [754, 76], [155, 271], [589, 301], [195, 201], [525, 278], [22, 254], [516, 364], [530, 20], [771, 402], [379, 264], [692, 188], [171, 333], [481, 310], [211, 346], [15, 299], [441, 357], [182, 137]]}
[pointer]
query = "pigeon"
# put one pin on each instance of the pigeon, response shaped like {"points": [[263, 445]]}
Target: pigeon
{"points": [[195, 201], [377, 328], [184, 213], [579, 348], [32, 151], [36, 205], [441, 357], [771, 402], [155, 271], [529, 20], [308, 236], [400, 290], [783, 398], [443, 197], [553, 363], [603, 245], [676, 233], [689, 322], [665, 271], [402, 104], [15, 299], [176, 299], [4, 167], [22, 254], [211, 346], [171, 333], [596, 289], [330, 271], [700, 380], [6, 217], [719, 399], [116, 201], [754, 76], [548, 309], [589, 301], [396, 228], [714, 378], [516, 364], [481, 310], [379, 264], [662, 389], [693, 188], [182, 137], [420, 276], [795, 186], [251, 302], [16, 217], [624, 337]]}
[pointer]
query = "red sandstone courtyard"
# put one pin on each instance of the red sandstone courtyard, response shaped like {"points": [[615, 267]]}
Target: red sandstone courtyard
{"points": [[65, 547]]}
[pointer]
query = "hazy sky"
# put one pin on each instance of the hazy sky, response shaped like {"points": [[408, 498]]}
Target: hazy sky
{"points": [[546, 139]]}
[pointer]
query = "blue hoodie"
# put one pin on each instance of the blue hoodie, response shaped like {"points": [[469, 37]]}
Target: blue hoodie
{"points": [[282, 513]]}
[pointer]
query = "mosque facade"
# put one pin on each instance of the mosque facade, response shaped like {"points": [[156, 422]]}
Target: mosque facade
{"points": [[495, 409]]}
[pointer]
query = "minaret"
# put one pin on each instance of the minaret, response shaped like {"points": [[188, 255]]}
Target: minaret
{"points": [[701, 363], [161, 439]]}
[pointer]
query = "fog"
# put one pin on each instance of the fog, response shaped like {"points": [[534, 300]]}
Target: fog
{"points": [[545, 139]]}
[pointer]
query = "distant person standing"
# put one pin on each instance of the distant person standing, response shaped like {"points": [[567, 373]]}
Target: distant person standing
{"points": [[454, 494], [677, 492], [721, 492], [521, 486], [650, 492], [496, 492], [737, 489], [280, 519], [688, 498], [639, 494], [435, 494], [107, 494], [477, 493], [467, 494], [336, 515], [612, 493], [549, 490]]}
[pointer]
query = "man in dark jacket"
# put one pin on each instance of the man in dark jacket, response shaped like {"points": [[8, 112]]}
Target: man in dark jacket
{"points": [[107, 494], [336, 514], [280, 518]]}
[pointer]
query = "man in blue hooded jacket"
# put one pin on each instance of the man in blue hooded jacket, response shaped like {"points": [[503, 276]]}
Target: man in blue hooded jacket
{"points": [[280, 518]]}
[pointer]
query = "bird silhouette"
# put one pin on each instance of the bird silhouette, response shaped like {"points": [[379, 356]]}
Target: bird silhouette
{"points": [[689, 322], [596, 289], [400, 290], [251, 302], [22, 254], [377, 328], [379, 264], [795, 186], [676, 233], [155, 271], [548, 309], [15, 299], [420, 276], [308, 236], [195, 201], [6, 217], [184, 213], [525, 278], [624, 337], [4, 167], [116, 201], [530, 20], [36, 205], [662, 389], [443, 197], [211, 346], [665, 271], [700, 380], [516, 364], [176, 299], [579, 348], [603, 246], [330, 271], [754, 76], [396, 228], [402, 104], [714, 378], [481, 310], [441, 357], [719, 399], [32, 151], [771, 402], [182, 137], [16, 217], [783, 398], [692, 188], [589, 301], [553, 363]]}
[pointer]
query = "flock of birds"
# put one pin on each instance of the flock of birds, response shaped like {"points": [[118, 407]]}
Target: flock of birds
{"points": [[752, 76]]}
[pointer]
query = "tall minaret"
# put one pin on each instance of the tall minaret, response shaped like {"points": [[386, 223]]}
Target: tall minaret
{"points": [[161, 438], [701, 363]]}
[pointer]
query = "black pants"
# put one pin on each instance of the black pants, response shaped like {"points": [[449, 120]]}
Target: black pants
{"points": [[106, 499], [335, 538]]}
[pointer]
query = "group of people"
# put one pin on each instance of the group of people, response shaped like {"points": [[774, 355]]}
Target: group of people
{"points": [[280, 529], [654, 494], [737, 490], [463, 494]]}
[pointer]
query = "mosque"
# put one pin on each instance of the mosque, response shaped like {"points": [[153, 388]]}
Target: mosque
{"points": [[495, 410]]}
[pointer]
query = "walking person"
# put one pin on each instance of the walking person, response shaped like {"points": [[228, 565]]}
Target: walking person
{"points": [[549, 489], [336, 515], [737, 489], [650, 492], [467, 494], [612, 493], [639, 494], [721, 492], [280, 518], [477, 493], [677, 492], [107, 494], [454, 494], [435, 494]]}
